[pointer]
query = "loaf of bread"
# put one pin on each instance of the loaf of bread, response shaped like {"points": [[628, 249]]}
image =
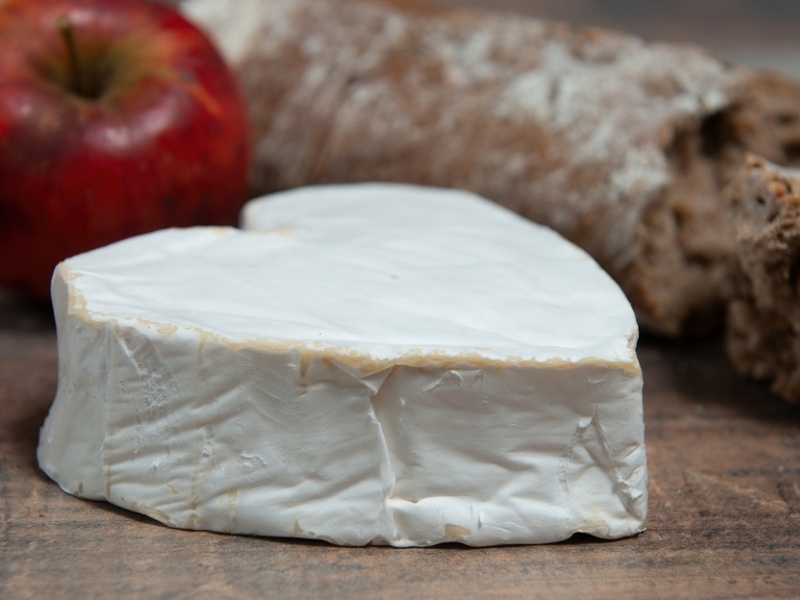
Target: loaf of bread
{"points": [[763, 332], [622, 146]]}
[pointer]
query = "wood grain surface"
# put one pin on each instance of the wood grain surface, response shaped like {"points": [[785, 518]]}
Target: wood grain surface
{"points": [[724, 520]]}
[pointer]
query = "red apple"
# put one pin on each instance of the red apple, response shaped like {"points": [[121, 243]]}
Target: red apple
{"points": [[117, 117]]}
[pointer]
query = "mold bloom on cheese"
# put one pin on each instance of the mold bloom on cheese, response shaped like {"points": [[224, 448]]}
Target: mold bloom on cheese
{"points": [[363, 364]]}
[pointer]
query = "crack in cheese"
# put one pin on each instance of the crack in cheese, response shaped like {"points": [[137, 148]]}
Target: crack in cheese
{"points": [[369, 363]]}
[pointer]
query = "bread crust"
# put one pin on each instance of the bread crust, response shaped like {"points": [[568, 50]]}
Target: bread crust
{"points": [[763, 332], [620, 145]]}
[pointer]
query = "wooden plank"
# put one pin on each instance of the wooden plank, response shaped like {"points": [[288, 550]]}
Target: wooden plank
{"points": [[724, 520]]}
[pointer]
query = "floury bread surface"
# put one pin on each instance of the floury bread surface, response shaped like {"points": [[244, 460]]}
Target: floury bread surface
{"points": [[622, 146], [377, 365]]}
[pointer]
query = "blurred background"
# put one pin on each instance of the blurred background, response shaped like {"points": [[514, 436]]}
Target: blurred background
{"points": [[761, 33], [758, 33]]}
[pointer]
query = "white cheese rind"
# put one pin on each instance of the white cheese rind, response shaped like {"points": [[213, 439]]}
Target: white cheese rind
{"points": [[364, 373]]}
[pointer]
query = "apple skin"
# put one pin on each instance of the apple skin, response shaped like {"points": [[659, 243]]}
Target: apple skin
{"points": [[160, 139]]}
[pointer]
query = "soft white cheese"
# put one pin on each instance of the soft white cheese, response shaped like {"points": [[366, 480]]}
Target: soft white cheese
{"points": [[377, 363]]}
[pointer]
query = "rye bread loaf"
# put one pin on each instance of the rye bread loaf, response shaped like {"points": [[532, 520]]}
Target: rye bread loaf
{"points": [[622, 146], [763, 331]]}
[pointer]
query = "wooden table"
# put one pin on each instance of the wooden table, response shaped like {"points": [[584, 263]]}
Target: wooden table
{"points": [[724, 459]]}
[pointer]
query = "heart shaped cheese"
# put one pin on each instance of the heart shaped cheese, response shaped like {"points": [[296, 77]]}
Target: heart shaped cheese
{"points": [[370, 363]]}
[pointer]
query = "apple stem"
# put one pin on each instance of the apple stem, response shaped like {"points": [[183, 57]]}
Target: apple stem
{"points": [[67, 35]]}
